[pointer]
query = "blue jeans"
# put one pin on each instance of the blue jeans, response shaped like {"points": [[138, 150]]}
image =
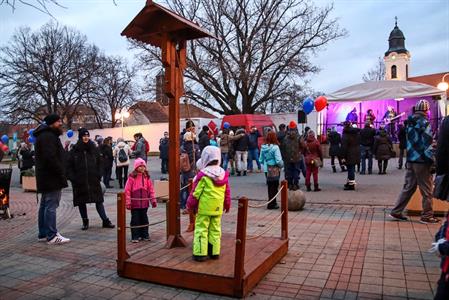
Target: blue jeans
{"points": [[351, 172], [366, 153], [253, 154], [224, 160], [47, 214], [292, 171], [185, 192]]}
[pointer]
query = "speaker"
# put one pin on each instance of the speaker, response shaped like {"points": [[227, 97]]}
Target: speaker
{"points": [[302, 117]]}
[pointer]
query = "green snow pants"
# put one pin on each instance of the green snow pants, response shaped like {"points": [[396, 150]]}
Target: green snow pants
{"points": [[207, 232]]}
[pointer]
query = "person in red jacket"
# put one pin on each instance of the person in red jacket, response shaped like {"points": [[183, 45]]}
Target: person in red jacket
{"points": [[139, 193], [314, 160]]}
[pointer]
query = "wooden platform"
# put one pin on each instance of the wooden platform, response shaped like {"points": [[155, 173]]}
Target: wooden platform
{"points": [[175, 266]]}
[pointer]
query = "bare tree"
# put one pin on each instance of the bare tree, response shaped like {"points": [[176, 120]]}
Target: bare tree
{"points": [[114, 89], [376, 73], [40, 5], [262, 48], [48, 71]]}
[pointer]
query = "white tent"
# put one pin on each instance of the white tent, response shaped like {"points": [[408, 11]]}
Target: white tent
{"points": [[384, 89]]}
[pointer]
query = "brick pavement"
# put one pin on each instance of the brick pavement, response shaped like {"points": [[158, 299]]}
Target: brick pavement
{"points": [[336, 252]]}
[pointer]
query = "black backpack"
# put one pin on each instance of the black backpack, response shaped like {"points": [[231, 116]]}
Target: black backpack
{"points": [[122, 157]]}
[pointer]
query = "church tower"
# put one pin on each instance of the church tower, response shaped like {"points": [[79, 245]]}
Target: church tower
{"points": [[397, 58]]}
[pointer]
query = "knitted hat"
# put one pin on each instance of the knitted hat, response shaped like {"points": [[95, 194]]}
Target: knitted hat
{"points": [[292, 125], [209, 153], [50, 119], [83, 132], [139, 162], [422, 105]]}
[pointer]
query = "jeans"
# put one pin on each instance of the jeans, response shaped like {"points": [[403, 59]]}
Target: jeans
{"points": [[312, 170], [122, 174], [401, 157], [366, 153], [302, 167], [272, 191], [253, 154], [164, 165], [292, 173], [224, 161], [417, 175], [241, 158], [139, 216], [47, 214], [351, 172], [100, 209], [185, 192], [107, 172]]}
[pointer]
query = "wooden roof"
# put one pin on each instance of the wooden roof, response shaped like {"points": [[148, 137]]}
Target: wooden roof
{"points": [[154, 20]]}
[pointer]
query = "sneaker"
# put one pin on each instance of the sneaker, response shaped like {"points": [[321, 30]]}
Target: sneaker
{"points": [[398, 217], [58, 240], [430, 220], [134, 241]]}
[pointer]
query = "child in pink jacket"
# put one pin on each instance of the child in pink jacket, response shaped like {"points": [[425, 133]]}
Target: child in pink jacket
{"points": [[139, 191]]}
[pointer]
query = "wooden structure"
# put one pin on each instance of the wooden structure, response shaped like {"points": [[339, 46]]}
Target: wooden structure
{"points": [[235, 273], [243, 262], [414, 207]]}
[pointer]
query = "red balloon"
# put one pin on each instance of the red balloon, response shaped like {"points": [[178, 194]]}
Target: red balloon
{"points": [[5, 148], [320, 103]]}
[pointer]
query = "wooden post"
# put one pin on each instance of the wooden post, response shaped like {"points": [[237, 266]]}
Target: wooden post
{"points": [[240, 242], [173, 90], [122, 255], [284, 209]]}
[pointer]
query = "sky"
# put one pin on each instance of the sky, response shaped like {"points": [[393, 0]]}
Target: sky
{"points": [[425, 24]]}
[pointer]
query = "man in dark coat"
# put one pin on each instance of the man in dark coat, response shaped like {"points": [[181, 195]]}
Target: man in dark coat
{"points": [[253, 148], [50, 177], [292, 150], [203, 138], [163, 152], [241, 151], [367, 135], [107, 160], [281, 133], [350, 149], [402, 136], [334, 139], [84, 172]]}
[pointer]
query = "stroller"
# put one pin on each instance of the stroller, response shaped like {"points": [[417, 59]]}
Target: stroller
{"points": [[5, 182]]}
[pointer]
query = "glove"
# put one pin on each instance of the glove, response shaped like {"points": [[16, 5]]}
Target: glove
{"points": [[128, 206], [154, 204], [435, 245]]}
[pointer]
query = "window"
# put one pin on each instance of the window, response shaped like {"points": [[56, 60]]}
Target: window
{"points": [[394, 72]]}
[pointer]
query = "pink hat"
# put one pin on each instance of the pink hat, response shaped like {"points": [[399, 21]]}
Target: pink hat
{"points": [[139, 162]]}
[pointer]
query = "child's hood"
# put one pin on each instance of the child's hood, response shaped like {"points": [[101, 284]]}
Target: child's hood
{"points": [[139, 162], [217, 174]]}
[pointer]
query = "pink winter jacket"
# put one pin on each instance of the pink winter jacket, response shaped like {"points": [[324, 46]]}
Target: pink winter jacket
{"points": [[139, 189]]}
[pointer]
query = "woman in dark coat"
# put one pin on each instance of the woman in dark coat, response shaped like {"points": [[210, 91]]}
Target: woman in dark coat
{"points": [[84, 172], [334, 139], [382, 150], [26, 159], [350, 152]]}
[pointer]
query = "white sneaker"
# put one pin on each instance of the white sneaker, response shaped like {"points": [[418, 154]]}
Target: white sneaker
{"points": [[58, 239]]}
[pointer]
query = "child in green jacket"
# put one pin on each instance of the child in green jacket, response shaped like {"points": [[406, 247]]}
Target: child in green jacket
{"points": [[210, 196]]}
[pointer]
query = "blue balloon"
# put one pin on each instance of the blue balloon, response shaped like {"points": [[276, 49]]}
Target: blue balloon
{"points": [[5, 139], [31, 131], [70, 133], [31, 139], [308, 105], [226, 125]]}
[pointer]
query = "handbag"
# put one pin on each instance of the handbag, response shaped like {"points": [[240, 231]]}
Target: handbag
{"points": [[317, 162], [441, 189], [273, 173]]}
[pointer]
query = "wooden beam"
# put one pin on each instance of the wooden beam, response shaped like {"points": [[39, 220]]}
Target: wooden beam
{"points": [[122, 255], [284, 209], [240, 242]]}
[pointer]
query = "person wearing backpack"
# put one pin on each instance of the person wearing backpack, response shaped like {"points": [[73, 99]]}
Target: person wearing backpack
{"points": [[190, 153], [121, 157]]}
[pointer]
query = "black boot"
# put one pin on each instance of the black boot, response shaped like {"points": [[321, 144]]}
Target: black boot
{"points": [[199, 258], [349, 187], [334, 169], [239, 173], [209, 252], [343, 169], [244, 173], [85, 224], [316, 188], [107, 224], [309, 189], [385, 167]]}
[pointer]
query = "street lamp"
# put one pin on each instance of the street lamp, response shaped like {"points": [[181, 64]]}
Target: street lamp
{"points": [[443, 85], [123, 114]]}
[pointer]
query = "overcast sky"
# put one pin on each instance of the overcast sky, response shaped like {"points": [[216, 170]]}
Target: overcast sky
{"points": [[425, 24]]}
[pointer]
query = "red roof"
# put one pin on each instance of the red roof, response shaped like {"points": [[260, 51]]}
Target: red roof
{"points": [[155, 112], [430, 79]]}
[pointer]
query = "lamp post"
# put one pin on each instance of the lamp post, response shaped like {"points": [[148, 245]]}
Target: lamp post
{"points": [[122, 115], [443, 85]]}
